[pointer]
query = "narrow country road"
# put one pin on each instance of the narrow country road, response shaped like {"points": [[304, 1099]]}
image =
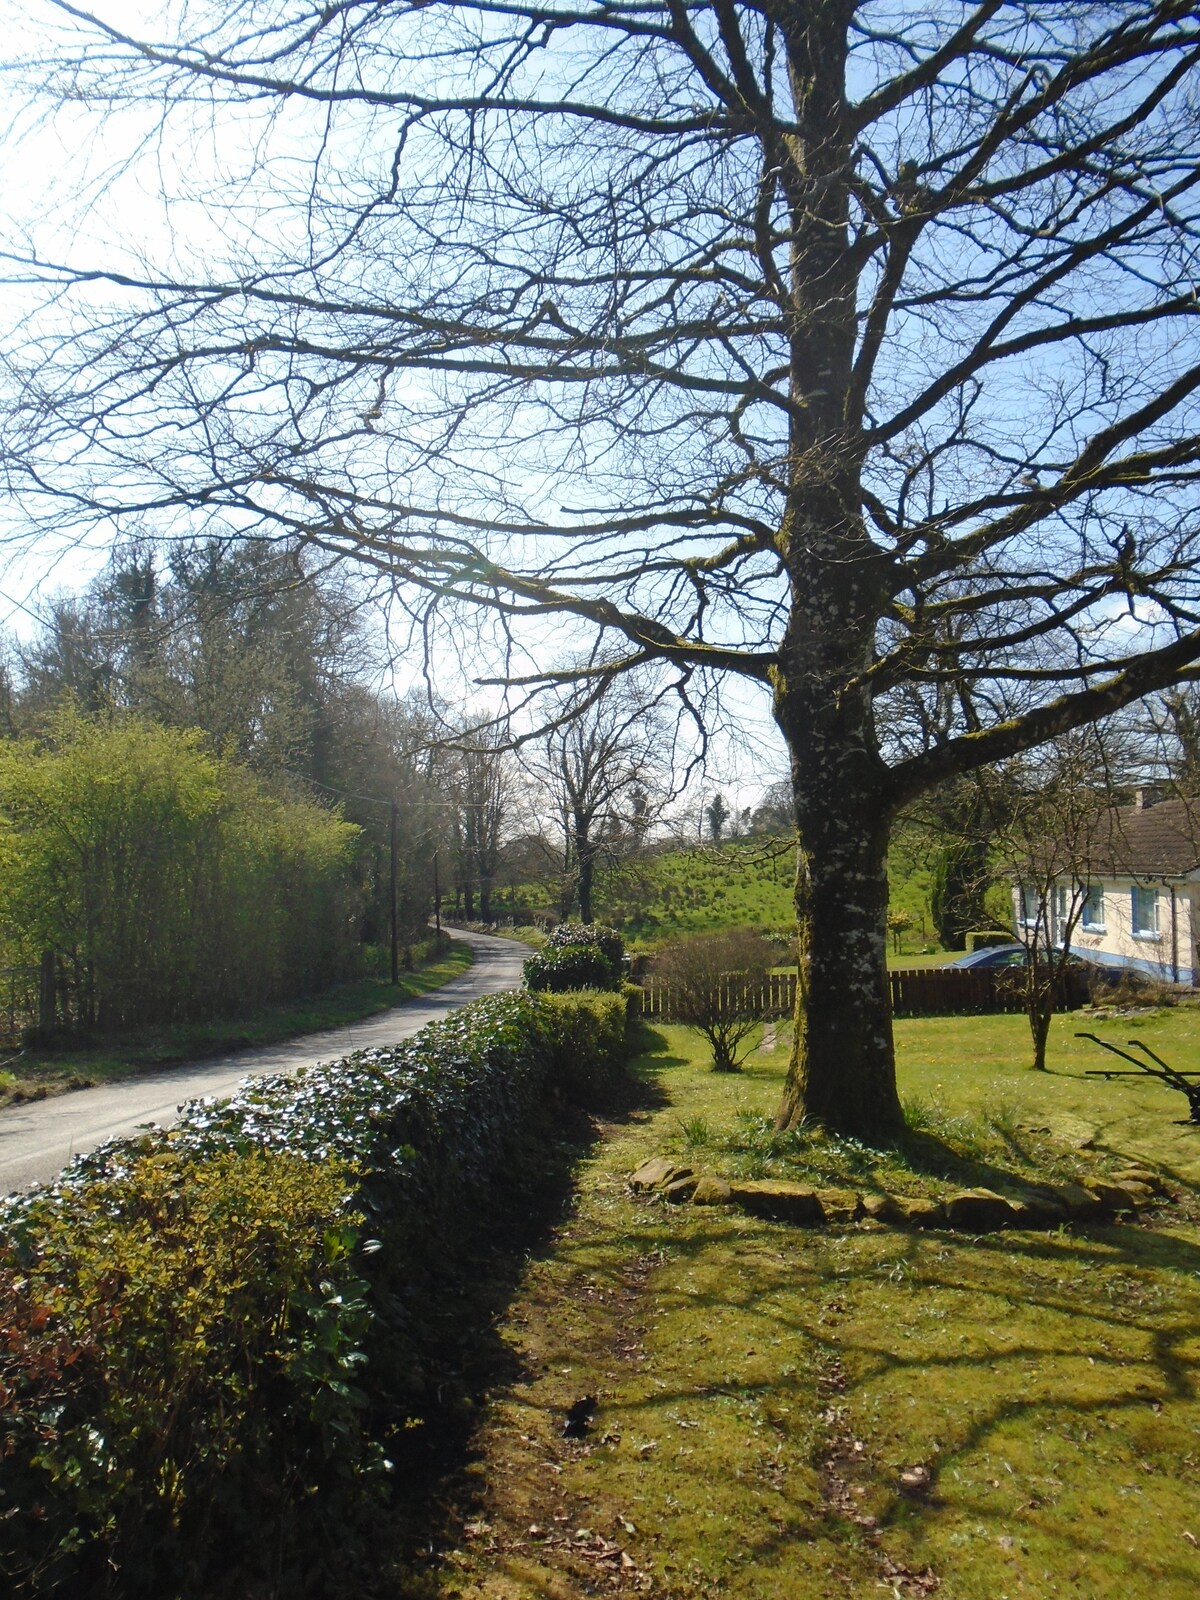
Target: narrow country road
{"points": [[39, 1138]]}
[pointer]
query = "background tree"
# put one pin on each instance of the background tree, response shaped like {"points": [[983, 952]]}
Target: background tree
{"points": [[847, 349], [598, 763], [265, 654], [716, 814], [481, 788], [1048, 821]]}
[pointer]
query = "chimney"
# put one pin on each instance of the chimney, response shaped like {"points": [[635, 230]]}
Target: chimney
{"points": [[1148, 795]]}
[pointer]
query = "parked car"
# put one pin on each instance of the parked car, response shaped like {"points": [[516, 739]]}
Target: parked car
{"points": [[1100, 974], [996, 955]]}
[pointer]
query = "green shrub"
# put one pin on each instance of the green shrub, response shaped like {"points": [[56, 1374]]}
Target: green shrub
{"points": [[576, 956], [606, 940], [590, 1042], [223, 1328], [142, 1317]]}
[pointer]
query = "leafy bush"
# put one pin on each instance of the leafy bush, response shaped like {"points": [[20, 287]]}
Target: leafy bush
{"points": [[577, 956], [141, 1315], [607, 940], [222, 1328]]}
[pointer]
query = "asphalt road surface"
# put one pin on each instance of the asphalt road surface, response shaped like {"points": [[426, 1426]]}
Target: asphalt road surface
{"points": [[39, 1138]]}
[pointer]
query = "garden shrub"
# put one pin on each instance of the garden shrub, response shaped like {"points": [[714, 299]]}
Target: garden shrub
{"points": [[145, 1314], [211, 1337], [590, 1042], [576, 956]]}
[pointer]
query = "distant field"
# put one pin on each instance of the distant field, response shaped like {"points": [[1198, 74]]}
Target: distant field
{"points": [[745, 883]]}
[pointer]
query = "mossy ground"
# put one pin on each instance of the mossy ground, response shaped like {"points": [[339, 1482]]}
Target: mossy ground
{"points": [[763, 1389], [37, 1073]]}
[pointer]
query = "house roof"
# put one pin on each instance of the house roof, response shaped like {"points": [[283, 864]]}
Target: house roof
{"points": [[1161, 840]]}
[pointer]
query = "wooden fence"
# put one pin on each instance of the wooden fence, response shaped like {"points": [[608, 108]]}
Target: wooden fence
{"points": [[915, 992]]}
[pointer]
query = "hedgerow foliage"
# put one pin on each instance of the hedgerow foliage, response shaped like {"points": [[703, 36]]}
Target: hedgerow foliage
{"points": [[209, 1338], [577, 955], [170, 884], [590, 1037]]}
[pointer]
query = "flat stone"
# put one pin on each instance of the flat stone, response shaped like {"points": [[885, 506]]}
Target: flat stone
{"points": [[680, 1189], [880, 1208], [1141, 1193], [779, 1200], [711, 1191], [656, 1174], [1080, 1203], [909, 1212], [1113, 1197], [1038, 1211], [978, 1211], [841, 1206], [1142, 1175]]}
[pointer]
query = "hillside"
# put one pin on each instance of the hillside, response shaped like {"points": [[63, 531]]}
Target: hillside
{"points": [[745, 882]]}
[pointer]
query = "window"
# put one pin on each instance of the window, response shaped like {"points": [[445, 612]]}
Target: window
{"points": [[1093, 907], [1030, 905], [1145, 911]]}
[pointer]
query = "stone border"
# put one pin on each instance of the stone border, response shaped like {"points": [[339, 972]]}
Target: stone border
{"points": [[1031, 1205]]}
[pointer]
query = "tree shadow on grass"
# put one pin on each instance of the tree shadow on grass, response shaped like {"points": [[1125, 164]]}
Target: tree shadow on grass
{"points": [[464, 1297]]}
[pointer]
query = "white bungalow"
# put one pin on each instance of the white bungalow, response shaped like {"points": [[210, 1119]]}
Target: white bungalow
{"points": [[1139, 880]]}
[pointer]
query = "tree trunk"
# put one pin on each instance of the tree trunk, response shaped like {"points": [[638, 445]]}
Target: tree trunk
{"points": [[586, 857], [843, 1071], [1040, 996]]}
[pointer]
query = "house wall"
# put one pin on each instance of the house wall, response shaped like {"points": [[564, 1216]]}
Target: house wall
{"points": [[1161, 956]]}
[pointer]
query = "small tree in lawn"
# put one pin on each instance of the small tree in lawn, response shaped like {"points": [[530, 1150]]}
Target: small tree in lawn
{"points": [[715, 981], [1048, 814]]}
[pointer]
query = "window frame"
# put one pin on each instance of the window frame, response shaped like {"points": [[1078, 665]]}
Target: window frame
{"points": [[1145, 894], [1093, 893]]}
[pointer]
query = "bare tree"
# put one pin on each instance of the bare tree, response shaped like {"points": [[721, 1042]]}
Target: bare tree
{"points": [[715, 983], [1044, 821], [598, 763], [847, 348], [481, 783]]}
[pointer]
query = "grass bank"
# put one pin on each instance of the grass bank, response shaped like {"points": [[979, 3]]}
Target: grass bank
{"points": [[37, 1073], [783, 1412]]}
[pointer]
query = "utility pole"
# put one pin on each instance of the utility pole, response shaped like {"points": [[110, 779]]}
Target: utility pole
{"points": [[395, 929], [437, 898]]}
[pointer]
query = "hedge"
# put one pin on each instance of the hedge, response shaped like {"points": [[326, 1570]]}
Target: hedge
{"points": [[209, 1335], [577, 955]]}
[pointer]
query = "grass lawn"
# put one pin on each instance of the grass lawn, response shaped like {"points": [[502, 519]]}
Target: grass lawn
{"points": [[38, 1073], [761, 1388]]}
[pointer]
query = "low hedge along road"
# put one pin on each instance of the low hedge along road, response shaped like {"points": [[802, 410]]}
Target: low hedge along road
{"points": [[38, 1139]]}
